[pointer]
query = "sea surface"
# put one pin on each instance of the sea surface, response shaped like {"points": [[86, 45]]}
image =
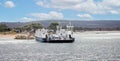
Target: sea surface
{"points": [[81, 50]]}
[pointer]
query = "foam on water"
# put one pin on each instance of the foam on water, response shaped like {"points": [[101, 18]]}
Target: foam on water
{"points": [[13, 41]]}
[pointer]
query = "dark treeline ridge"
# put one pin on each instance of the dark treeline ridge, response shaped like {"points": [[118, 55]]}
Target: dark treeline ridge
{"points": [[96, 29], [78, 26]]}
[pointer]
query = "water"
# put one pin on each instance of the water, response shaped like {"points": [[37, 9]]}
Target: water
{"points": [[80, 50]]}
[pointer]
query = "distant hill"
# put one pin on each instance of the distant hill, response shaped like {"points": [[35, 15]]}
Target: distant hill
{"points": [[13, 24], [87, 24]]}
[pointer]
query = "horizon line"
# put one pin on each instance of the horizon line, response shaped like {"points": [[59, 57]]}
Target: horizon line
{"points": [[57, 20]]}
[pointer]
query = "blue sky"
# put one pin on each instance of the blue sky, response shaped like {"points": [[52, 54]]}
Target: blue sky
{"points": [[32, 10]]}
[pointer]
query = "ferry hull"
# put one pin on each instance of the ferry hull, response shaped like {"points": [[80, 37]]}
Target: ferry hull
{"points": [[54, 41]]}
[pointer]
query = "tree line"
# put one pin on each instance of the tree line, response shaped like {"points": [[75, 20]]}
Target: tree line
{"points": [[28, 27], [96, 29], [4, 27]]}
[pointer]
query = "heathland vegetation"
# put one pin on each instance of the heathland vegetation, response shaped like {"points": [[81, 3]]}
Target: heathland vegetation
{"points": [[4, 28], [24, 31]]}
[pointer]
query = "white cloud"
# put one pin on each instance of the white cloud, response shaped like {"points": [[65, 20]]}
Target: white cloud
{"points": [[90, 6], [85, 16], [50, 15], [53, 15], [112, 2], [114, 12], [27, 19], [9, 4]]}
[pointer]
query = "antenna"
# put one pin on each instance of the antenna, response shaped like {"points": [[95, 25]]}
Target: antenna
{"points": [[70, 23]]}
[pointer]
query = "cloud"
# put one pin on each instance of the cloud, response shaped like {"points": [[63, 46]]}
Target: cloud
{"points": [[27, 19], [114, 12], [9, 4], [85, 16], [50, 15], [89, 6]]}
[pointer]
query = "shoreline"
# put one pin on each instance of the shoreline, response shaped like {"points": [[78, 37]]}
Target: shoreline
{"points": [[83, 34], [7, 36], [97, 35]]}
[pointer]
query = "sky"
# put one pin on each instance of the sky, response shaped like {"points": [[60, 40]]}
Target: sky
{"points": [[32, 10]]}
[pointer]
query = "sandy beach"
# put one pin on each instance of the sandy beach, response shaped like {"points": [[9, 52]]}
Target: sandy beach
{"points": [[10, 36]]}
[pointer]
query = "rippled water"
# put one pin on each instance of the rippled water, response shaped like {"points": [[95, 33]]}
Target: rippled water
{"points": [[80, 50]]}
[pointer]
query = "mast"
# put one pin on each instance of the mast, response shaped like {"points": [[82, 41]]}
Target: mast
{"points": [[59, 26], [70, 27]]}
